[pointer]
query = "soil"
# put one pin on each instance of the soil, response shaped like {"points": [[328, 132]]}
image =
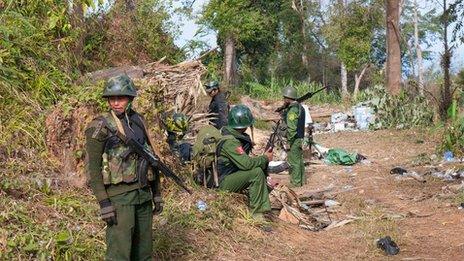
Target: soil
{"points": [[422, 218]]}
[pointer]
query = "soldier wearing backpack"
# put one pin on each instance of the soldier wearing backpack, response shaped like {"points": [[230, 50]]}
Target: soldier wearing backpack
{"points": [[236, 169]]}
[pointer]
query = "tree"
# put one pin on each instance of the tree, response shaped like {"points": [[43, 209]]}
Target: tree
{"points": [[420, 73], [351, 33], [446, 19], [236, 22], [393, 66]]}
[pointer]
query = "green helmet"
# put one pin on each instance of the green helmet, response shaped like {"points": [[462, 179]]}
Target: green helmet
{"points": [[240, 117], [177, 123], [290, 92], [120, 85], [212, 85]]}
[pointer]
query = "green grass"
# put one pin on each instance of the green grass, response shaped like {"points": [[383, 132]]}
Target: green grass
{"points": [[263, 125], [272, 90]]}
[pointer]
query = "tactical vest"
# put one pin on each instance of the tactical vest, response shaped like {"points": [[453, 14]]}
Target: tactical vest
{"points": [[119, 164], [300, 127], [226, 167]]}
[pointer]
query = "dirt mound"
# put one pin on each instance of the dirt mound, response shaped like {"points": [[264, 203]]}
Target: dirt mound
{"points": [[65, 139]]}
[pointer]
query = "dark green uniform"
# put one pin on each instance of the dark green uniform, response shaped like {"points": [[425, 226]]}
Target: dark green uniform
{"points": [[117, 180], [238, 171], [294, 118]]}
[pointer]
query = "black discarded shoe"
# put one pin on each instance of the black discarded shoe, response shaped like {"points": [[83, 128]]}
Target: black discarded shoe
{"points": [[398, 170], [360, 157], [388, 245]]}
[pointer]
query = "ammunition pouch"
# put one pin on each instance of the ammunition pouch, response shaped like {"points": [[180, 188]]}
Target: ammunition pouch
{"points": [[142, 172]]}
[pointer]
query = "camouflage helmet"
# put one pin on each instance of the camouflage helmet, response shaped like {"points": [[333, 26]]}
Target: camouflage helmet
{"points": [[120, 85], [177, 122], [240, 117], [290, 92], [211, 85]]}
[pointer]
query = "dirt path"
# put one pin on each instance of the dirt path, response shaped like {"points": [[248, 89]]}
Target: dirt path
{"points": [[425, 222]]}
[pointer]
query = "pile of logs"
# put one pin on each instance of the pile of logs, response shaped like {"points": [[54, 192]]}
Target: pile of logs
{"points": [[310, 210]]}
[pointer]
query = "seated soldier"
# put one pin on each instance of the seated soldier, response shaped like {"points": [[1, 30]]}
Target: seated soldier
{"points": [[176, 128], [237, 170]]}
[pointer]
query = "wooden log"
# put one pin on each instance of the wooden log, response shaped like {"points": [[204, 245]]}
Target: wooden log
{"points": [[314, 203]]}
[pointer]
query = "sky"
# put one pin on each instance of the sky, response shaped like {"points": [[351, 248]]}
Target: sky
{"points": [[189, 28]]}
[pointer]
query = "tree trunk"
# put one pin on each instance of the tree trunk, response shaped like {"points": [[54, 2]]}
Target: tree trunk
{"points": [[393, 68], [344, 80], [446, 63], [420, 73], [357, 81], [301, 10], [230, 62], [77, 22]]}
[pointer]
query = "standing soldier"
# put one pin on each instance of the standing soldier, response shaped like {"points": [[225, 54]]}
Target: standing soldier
{"points": [[294, 117], [237, 170], [119, 178], [218, 104]]}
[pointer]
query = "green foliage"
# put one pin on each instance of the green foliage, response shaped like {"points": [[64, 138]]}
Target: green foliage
{"points": [[453, 136], [402, 111], [351, 32], [34, 66], [238, 18], [118, 36], [273, 91], [151, 30]]}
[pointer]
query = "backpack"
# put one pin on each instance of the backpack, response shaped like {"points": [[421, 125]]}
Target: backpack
{"points": [[206, 150]]}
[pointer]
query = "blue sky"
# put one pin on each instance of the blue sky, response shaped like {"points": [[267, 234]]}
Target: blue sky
{"points": [[189, 28]]}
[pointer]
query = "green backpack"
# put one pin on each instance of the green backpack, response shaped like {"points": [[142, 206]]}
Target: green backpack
{"points": [[206, 150]]}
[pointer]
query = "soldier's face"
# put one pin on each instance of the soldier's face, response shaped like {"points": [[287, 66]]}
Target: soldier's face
{"points": [[213, 93], [118, 103]]}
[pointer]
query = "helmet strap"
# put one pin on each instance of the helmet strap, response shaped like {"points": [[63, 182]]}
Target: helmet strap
{"points": [[129, 106]]}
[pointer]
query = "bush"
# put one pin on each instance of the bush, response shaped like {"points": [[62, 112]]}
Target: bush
{"points": [[402, 111], [453, 136]]}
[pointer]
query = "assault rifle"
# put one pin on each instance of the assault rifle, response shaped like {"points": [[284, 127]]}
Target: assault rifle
{"points": [[272, 138], [302, 98], [152, 159], [271, 141]]}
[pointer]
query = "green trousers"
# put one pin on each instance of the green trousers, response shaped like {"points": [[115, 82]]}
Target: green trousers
{"points": [[255, 181], [295, 160], [131, 238]]}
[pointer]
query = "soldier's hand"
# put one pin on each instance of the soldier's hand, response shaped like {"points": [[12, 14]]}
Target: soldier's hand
{"points": [[269, 154], [158, 205], [108, 212]]}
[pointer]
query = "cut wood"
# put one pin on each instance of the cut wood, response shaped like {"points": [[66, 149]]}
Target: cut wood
{"points": [[336, 224]]}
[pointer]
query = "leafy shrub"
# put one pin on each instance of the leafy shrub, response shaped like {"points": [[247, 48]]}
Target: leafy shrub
{"points": [[453, 135], [402, 111]]}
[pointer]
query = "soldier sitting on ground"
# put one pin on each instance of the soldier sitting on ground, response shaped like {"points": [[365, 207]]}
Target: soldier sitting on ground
{"points": [[237, 170], [176, 127]]}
